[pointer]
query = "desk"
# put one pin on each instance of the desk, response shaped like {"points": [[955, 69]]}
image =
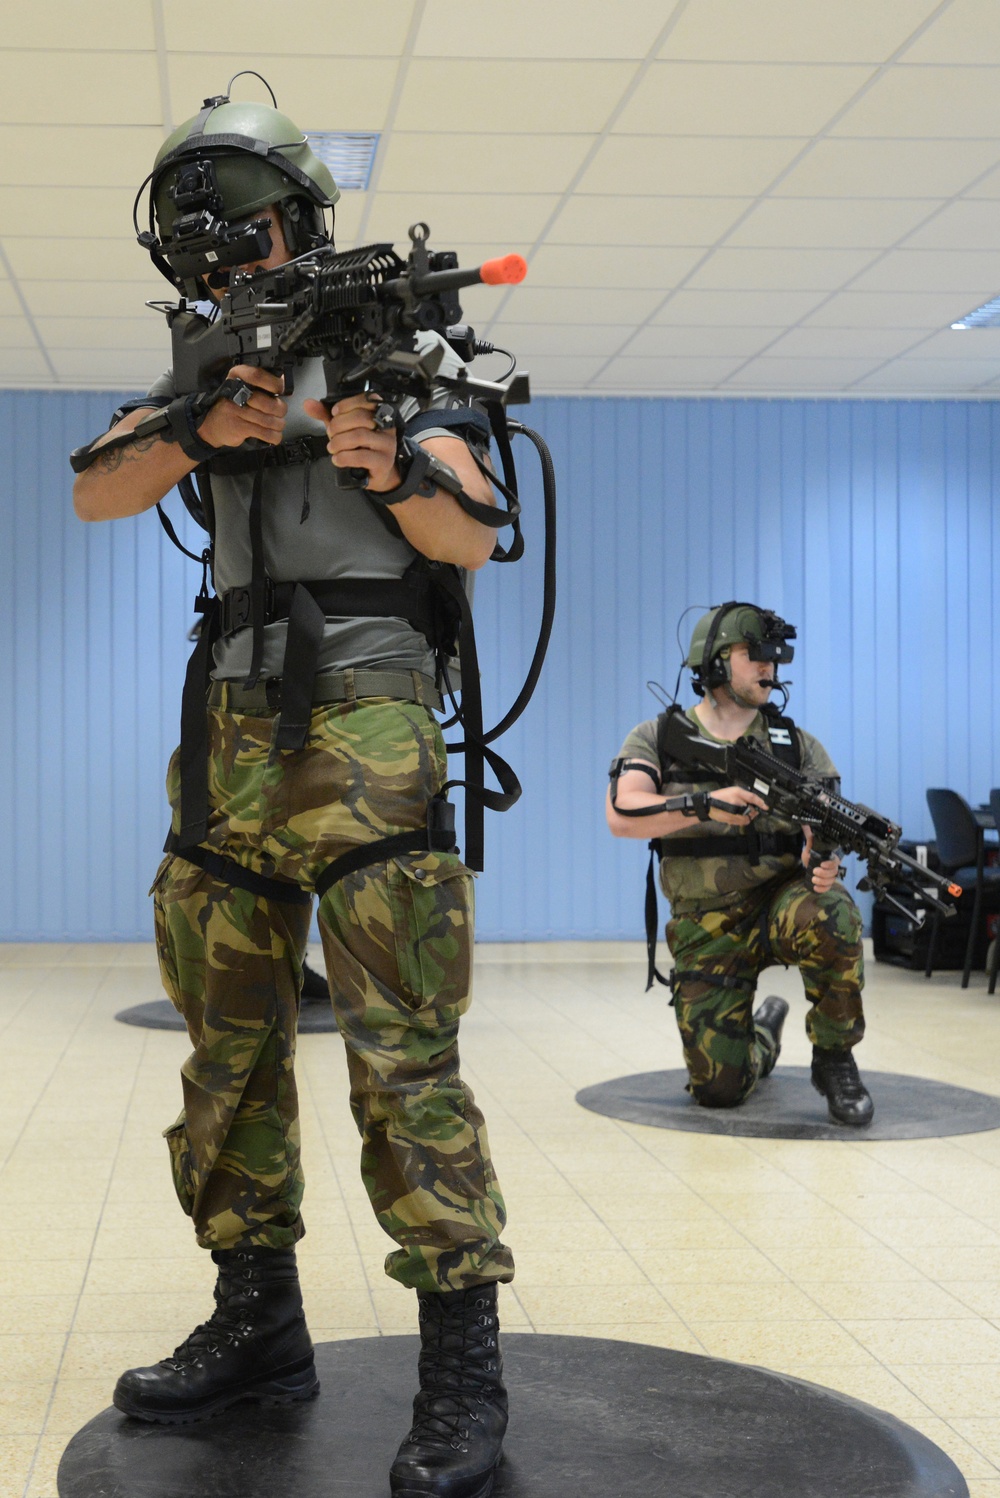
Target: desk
{"points": [[984, 817]]}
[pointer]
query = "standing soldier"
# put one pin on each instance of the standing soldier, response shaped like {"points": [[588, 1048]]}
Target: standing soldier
{"points": [[740, 899], [232, 912]]}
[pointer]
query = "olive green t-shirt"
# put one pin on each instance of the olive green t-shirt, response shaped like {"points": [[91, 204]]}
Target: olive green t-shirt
{"points": [[694, 884]]}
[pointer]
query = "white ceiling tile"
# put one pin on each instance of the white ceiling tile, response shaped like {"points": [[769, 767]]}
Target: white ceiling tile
{"points": [[976, 273], [790, 31], [650, 376], [930, 375], [804, 270], [76, 212], [509, 163], [611, 266], [66, 24], [103, 367], [896, 168], [554, 304], [677, 98], [10, 305], [803, 375], [100, 156], [502, 217], [742, 308], [887, 309], [563, 97], [562, 375], [62, 298], [79, 88], [600, 219], [347, 221], [16, 332], [143, 331], [312, 29], [559, 340], [968, 31], [967, 345], [845, 343], [694, 166], [523, 28], [988, 187], [965, 226], [827, 223], [721, 342], [22, 366], [318, 93], [84, 260], [927, 103]]}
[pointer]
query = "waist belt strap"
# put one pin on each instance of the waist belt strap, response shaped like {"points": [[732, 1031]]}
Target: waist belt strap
{"points": [[306, 606], [764, 844], [285, 455], [373, 598]]}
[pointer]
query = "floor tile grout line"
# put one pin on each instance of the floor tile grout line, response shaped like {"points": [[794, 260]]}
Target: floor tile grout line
{"points": [[56, 1063], [140, 1056], [362, 1257], [597, 1214]]}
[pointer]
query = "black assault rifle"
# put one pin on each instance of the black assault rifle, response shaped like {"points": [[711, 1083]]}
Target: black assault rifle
{"points": [[844, 826], [358, 310]]}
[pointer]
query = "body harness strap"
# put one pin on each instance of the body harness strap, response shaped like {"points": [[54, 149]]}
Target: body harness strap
{"points": [[430, 596]]}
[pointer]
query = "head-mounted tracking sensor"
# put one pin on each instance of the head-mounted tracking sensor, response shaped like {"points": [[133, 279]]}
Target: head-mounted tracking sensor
{"points": [[772, 645]]}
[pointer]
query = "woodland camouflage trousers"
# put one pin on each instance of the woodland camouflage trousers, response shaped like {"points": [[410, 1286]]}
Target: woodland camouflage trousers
{"points": [[397, 938], [718, 955]]}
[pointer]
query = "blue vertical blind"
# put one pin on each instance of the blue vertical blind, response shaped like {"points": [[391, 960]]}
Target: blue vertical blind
{"points": [[871, 525]]}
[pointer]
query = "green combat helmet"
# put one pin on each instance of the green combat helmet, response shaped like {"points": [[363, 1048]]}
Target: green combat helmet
{"points": [[213, 174], [763, 631]]}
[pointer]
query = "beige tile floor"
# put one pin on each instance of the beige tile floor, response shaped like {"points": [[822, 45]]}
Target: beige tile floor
{"points": [[869, 1267]]}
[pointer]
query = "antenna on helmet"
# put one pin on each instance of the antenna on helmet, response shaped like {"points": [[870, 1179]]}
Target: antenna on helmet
{"points": [[250, 73]]}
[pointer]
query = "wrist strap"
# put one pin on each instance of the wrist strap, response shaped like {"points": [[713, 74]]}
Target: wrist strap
{"points": [[184, 416]]}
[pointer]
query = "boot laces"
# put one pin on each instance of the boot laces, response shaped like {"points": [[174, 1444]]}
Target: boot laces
{"points": [[452, 1396], [228, 1324], [842, 1069]]}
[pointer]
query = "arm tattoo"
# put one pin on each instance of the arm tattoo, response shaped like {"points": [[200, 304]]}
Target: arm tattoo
{"points": [[110, 462]]}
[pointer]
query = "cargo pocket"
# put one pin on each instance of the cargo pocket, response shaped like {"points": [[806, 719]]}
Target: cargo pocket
{"points": [[431, 900], [180, 1164]]}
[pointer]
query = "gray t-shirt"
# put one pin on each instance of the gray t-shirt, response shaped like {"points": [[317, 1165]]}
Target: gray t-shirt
{"points": [[314, 530]]}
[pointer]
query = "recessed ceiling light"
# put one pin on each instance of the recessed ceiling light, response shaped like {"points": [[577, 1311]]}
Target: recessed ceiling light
{"points": [[986, 316], [348, 153]]}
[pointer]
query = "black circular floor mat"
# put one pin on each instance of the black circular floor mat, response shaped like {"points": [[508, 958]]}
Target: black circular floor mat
{"points": [[612, 1419], [315, 1016], [787, 1106]]}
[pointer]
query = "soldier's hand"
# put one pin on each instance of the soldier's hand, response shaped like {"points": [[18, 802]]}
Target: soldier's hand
{"points": [[263, 416], [745, 804], [825, 874], [354, 441]]}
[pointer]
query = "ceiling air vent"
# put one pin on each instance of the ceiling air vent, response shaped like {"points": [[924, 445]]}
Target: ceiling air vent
{"points": [[348, 153], [986, 316]]}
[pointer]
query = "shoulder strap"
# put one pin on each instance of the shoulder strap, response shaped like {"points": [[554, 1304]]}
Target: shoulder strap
{"points": [[786, 743]]}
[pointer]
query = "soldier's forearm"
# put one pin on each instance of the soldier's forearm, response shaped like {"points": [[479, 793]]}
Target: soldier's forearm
{"points": [[129, 480]]}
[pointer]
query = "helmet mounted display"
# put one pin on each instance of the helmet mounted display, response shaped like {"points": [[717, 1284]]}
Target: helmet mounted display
{"points": [[210, 181], [765, 634]]}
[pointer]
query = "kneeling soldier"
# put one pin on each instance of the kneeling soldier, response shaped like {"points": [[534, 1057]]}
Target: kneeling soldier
{"points": [[738, 881]]}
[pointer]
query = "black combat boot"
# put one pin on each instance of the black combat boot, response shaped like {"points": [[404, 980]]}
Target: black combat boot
{"points": [[770, 1017], [254, 1346], [835, 1075], [460, 1413]]}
